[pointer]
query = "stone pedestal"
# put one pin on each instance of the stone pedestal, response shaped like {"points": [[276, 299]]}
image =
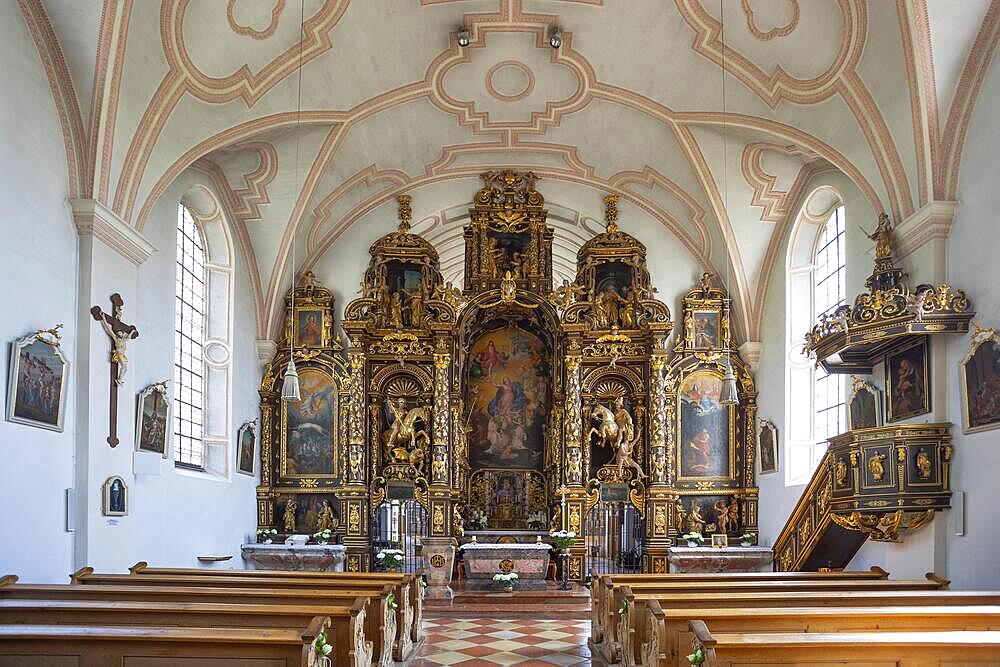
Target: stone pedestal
{"points": [[716, 559], [307, 557], [439, 561], [482, 561]]}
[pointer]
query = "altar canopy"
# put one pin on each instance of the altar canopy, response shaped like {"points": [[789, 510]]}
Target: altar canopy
{"points": [[510, 404]]}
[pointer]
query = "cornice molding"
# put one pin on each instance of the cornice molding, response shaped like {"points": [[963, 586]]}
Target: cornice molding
{"points": [[750, 353], [92, 218], [265, 350], [931, 222]]}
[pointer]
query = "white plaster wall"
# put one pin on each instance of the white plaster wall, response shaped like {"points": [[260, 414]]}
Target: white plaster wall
{"points": [[37, 290]]}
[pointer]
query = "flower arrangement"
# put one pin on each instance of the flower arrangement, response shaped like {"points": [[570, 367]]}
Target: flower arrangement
{"points": [[391, 602], [323, 536], [562, 539], [693, 539], [624, 608], [477, 520], [698, 657], [322, 646], [506, 580], [537, 520], [746, 539], [266, 535], [391, 559]]}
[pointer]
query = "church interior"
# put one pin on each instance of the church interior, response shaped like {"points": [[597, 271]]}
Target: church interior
{"points": [[500, 332]]}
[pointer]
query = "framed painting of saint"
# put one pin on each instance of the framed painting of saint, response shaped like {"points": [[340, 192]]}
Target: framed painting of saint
{"points": [[907, 382], [980, 378], [309, 427], [309, 327], [864, 408], [508, 376], [705, 428], [767, 446], [114, 497], [153, 419], [246, 447], [36, 391], [703, 329]]}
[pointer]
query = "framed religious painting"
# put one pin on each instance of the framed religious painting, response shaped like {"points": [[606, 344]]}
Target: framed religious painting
{"points": [[309, 428], [246, 447], [706, 428], [153, 419], [864, 407], [720, 540], [907, 381], [706, 329], [980, 378], [36, 391], [767, 447], [114, 497], [309, 327]]}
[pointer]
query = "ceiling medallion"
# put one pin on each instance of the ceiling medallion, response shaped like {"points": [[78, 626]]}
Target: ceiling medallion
{"points": [[510, 81]]}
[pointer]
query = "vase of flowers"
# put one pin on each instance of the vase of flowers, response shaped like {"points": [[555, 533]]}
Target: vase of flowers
{"points": [[698, 656], [477, 520], [390, 559], [562, 540], [746, 539], [323, 536], [693, 539], [266, 535], [323, 649], [505, 580]]}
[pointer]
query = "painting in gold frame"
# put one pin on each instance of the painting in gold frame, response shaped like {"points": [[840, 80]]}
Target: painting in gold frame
{"points": [[309, 328], [767, 446], [907, 382], [153, 419], [980, 381], [705, 428], [309, 428], [36, 393], [720, 541]]}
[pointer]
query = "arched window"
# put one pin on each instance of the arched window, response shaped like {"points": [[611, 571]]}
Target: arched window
{"points": [[189, 341], [816, 286]]}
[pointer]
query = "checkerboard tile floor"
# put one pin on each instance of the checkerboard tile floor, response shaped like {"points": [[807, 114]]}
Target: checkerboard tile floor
{"points": [[521, 642]]}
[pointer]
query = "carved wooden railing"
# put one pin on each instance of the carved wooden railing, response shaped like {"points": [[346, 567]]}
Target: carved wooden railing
{"points": [[877, 483]]}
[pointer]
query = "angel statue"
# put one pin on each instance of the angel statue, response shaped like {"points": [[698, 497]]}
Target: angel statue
{"points": [[565, 296]]}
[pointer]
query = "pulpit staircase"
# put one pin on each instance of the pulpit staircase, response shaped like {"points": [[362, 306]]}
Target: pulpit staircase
{"points": [[877, 483]]}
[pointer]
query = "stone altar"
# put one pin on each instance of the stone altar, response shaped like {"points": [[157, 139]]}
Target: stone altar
{"points": [[309, 557], [482, 561], [720, 559]]}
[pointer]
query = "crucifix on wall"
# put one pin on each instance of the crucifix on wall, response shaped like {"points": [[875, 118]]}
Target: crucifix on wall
{"points": [[119, 333]]}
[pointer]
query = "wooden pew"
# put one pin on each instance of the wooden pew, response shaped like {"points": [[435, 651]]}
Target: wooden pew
{"points": [[901, 649], [616, 619], [344, 629], [89, 646], [667, 640], [379, 625], [403, 587], [603, 582], [416, 590]]}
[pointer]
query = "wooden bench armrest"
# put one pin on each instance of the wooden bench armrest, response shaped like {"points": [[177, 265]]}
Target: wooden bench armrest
{"points": [[138, 567], [941, 581], [8, 580], [877, 569], [77, 577]]}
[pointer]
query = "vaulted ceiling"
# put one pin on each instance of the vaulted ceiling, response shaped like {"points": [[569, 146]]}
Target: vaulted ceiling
{"points": [[633, 102]]}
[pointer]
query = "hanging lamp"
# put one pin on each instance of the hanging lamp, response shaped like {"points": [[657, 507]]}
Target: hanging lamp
{"points": [[729, 393], [290, 382]]}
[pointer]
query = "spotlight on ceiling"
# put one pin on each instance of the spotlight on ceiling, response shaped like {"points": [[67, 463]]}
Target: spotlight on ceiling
{"points": [[555, 37], [463, 37]]}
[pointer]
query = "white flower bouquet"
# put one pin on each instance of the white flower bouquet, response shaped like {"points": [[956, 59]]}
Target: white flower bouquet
{"points": [[323, 536], [266, 535], [391, 559], [477, 520], [693, 539], [562, 539], [505, 578]]}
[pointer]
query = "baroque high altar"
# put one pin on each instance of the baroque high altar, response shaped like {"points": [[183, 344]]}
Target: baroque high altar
{"points": [[511, 401]]}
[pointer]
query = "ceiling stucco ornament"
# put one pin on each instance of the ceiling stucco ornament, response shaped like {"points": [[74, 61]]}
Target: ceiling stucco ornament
{"points": [[510, 80], [236, 7], [778, 29]]}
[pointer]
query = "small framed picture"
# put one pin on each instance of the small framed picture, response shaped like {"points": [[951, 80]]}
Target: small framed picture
{"points": [[115, 497], [980, 376], [246, 446], [907, 381], [309, 327], [864, 406], [767, 446], [153, 419], [720, 540], [36, 392]]}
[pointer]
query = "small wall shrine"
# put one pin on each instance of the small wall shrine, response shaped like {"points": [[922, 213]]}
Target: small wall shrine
{"points": [[510, 404]]}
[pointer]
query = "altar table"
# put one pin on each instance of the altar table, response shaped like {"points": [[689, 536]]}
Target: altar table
{"points": [[482, 561], [720, 559], [306, 557]]}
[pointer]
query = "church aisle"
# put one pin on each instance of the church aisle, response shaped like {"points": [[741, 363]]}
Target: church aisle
{"points": [[508, 641]]}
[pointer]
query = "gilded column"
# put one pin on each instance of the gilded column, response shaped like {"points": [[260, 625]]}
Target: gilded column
{"points": [[439, 451], [572, 426], [660, 498], [355, 473]]}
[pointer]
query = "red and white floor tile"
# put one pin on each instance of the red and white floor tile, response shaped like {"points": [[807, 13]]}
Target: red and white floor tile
{"points": [[507, 641]]}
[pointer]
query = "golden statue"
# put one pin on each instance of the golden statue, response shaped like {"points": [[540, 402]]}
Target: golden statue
{"points": [[326, 519], [402, 439], [923, 464], [722, 511], [416, 307], [565, 296], [680, 514], [882, 236], [616, 424], [490, 250], [695, 522], [290, 507], [875, 466], [395, 318], [841, 471]]}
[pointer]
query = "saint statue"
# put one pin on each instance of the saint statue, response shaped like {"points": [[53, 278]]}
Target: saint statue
{"points": [[722, 511], [326, 519], [416, 307], [695, 522], [395, 318], [289, 519], [882, 236]]}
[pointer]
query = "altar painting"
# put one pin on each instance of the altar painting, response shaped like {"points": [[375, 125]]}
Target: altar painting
{"points": [[704, 427], [508, 389], [308, 440]]}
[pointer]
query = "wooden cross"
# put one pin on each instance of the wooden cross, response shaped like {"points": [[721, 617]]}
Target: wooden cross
{"points": [[119, 333]]}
